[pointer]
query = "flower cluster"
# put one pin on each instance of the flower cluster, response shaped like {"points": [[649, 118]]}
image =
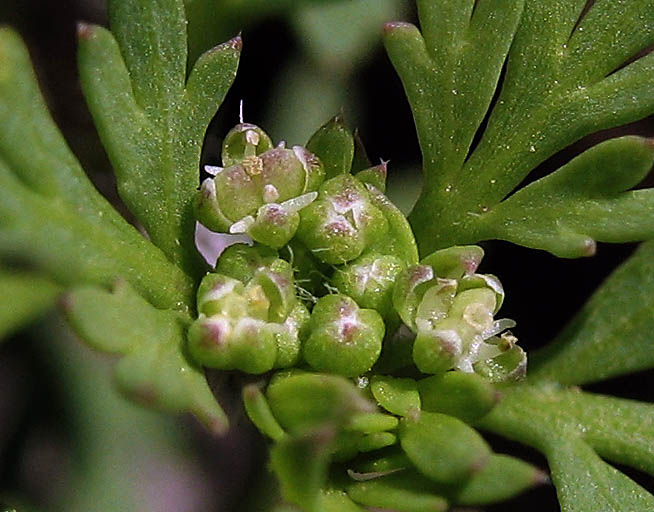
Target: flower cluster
{"points": [[332, 290]]}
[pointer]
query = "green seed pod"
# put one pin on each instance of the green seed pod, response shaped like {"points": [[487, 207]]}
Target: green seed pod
{"points": [[466, 396], [510, 365], [289, 336], [209, 342], [258, 410], [220, 342], [371, 422], [435, 304], [375, 176], [344, 339], [397, 396], [221, 295], [399, 239], [484, 281], [276, 281], [274, 225], [454, 341], [394, 492], [443, 448], [438, 350], [304, 400], [455, 262], [242, 261], [370, 280], [410, 286], [334, 500], [376, 441], [342, 222], [503, 478], [242, 141]]}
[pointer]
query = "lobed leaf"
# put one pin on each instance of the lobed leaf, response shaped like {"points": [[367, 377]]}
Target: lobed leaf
{"points": [[150, 118], [586, 200], [50, 213], [612, 332], [564, 80], [573, 429], [25, 295], [154, 370]]}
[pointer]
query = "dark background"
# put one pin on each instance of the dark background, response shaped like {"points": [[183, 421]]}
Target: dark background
{"points": [[543, 292]]}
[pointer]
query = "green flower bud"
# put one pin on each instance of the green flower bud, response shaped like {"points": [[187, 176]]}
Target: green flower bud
{"points": [[455, 262], [274, 225], [484, 281], [334, 145], [443, 448], [370, 280], [466, 396], [242, 261], [510, 364], [289, 336], [245, 344], [242, 141], [397, 396], [342, 222], [344, 339], [252, 327], [375, 176], [304, 400], [276, 281], [256, 174], [221, 295], [455, 340]]}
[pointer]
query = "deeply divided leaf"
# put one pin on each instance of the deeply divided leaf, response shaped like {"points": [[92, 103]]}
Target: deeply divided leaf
{"points": [[564, 79], [154, 370], [50, 213], [612, 334], [150, 118]]}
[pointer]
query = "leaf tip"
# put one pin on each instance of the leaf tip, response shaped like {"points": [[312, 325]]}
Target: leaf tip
{"points": [[396, 26], [589, 247], [84, 30]]}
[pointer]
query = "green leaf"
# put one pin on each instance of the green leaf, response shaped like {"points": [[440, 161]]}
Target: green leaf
{"points": [[449, 72], [50, 213], [573, 429], [612, 332], [584, 201], [150, 119], [585, 483], [559, 87], [154, 370], [25, 295]]}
